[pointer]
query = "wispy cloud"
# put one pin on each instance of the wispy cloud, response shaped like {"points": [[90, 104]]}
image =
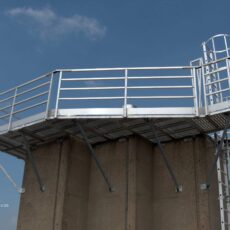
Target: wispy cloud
{"points": [[48, 24]]}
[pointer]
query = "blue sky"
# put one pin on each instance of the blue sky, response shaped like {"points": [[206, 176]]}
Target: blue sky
{"points": [[39, 36]]}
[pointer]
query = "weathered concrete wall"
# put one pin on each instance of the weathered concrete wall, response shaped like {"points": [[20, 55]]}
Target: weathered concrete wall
{"points": [[77, 197], [43, 210]]}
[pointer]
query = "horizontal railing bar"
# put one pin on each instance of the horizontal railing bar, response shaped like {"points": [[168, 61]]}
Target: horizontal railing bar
{"points": [[213, 82], [122, 78], [6, 107], [31, 98], [159, 97], [7, 91], [29, 82], [129, 97], [161, 87], [128, 68], [216, 92], [6, 99], [129, 87], [93, 79], [89, 98], [216, 71], [34, 80], [2, 117], [30, 107], [34, 88], [92, 88], [158, 77]]}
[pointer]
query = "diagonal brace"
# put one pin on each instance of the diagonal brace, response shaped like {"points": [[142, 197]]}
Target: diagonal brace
{"points": [[94, 156], [166, 161], [34, 165], [218, 154], [7, 175]]}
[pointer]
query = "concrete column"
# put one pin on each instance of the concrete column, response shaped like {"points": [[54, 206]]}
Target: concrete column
{"points": [[77, 197], [44, 210], [131, 189], [107, 210]]}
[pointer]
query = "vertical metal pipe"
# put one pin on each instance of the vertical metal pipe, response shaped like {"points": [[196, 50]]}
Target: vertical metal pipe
{"points": [[220, 187], [207, 78], [49, 96], [226, 45], [12, 109], [228, 72], [195, 90], [199, 87], [125, 93], [204, 89], [215, 66], [218, 153], [227, 60], [58, 94]]}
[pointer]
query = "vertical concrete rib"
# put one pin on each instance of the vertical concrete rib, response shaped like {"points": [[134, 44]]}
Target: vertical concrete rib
{"points": [[61, 185], [131, 183]]}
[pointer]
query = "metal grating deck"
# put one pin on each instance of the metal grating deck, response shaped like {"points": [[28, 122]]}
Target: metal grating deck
{"points": [[102, 130]]}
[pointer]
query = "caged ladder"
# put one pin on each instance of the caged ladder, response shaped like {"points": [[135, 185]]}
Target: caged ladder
{"points": [[211, 74], [214, 49]]}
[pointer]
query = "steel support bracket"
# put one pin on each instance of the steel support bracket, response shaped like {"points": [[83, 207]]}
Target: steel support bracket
{"points": [[7, 175], [178, 187], [31, 159], [219, 151], [94, 156]]}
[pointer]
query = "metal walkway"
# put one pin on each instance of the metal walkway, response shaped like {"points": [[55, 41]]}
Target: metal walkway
{"points": [[111, 103]]}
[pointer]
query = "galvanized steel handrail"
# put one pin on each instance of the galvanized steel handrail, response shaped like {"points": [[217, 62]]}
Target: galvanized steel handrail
{"points": [[43, 96], [126, 79], [26, 98]]}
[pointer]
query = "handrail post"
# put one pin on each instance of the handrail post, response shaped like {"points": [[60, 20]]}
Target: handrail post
{"points": [[49, 95], [204, 88], [12, 108], [125, 93], [194, 82], [58, 94], [228, 71]]}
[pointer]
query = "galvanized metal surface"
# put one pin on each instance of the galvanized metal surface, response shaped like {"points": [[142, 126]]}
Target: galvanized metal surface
{"points": [[110, 103]]}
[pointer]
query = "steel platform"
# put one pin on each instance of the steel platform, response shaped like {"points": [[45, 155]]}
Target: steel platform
{"points": [[111, 103]]}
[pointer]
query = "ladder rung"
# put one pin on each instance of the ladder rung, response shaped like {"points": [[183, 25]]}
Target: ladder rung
{"points": [[226, 185], [224, 197], [222, 171], [224, 160], [215, 71], [226, 210], [225, 200]]}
